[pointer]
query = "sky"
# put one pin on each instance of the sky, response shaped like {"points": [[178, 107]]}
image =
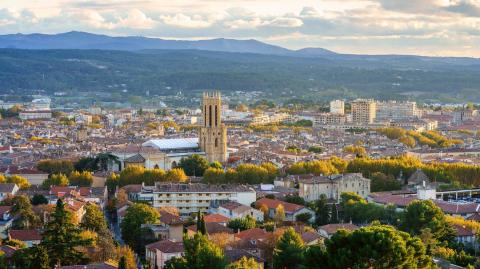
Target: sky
{"points": [[421, 27]]}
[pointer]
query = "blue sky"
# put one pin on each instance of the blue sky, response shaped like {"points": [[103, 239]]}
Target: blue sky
{"points": [[425, 27]]}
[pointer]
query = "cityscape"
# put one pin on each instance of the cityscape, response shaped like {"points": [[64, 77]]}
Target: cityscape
{"points": [[155, 135]]}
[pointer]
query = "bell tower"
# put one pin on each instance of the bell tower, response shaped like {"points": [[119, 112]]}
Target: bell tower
{"points": [[213, 133]]}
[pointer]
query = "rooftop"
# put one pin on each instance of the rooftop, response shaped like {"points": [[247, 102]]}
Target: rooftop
{"points": [[173, 143]]}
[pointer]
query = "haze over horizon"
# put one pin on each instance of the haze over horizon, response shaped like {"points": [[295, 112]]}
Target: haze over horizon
{"points": [[423, 27]]}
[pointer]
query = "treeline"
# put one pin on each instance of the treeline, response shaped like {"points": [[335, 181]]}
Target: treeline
{"points": [[242, 174], [410, 139], [138, 174]]}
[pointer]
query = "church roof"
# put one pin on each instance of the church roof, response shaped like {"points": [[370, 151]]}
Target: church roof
{"points": [[137, 158], [174, 143], [418, 177]]}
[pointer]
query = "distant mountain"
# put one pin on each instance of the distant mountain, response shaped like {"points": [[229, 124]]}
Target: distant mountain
{"points": [[82, 40]]}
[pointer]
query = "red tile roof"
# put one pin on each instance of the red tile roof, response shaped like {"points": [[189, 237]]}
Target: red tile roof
{"points": [[334, 227], [254, 233], [463, 231], [25, 235], [212, 228], [273, 204], [167, 246], [308, 237], [216, 218]]}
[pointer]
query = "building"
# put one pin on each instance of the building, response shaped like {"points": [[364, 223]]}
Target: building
{"points": [[29, 237], [158, 253], [213, 133], [323, 119], [396, 110], [35, 115], [291, 210], [234, 210], [8, 189], [191, 198], [328, 230], [363, 111], [104, 265], [337, 107], [311, 187]]}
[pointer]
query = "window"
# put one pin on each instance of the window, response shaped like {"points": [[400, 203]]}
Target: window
{"points": [[216, 142]]}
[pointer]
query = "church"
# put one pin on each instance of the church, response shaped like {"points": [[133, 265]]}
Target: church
{"points": [[166, 153]]}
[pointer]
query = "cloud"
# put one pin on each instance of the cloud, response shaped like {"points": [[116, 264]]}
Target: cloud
{"points": [[136, 19], [186, 21], [94, 19], [465, 7], [285, 22]]}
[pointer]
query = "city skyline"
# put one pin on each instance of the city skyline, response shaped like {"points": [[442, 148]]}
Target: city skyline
{"points": [[426, 27]]}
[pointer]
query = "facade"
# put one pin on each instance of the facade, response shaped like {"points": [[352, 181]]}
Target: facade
{"points": [[235, 210], [35, 115], [363, 111], [337, 107], [333, 186], [213, 133], [394, 110], [158, 253], [191, 198], [328, 119], [291, 210]]}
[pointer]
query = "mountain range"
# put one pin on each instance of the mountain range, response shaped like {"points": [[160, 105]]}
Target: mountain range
{"points": [[83, 40]]}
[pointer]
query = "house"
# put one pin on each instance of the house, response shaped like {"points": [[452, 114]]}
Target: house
{"points": [[312, 187], [104, 265], [233, 255], [291, 210], [311, 238], [158, 253], [217, 218], [6, 220], [8, 189], [464, 235], [234, 210], [29, 237], [212, 228], [328, 230]]}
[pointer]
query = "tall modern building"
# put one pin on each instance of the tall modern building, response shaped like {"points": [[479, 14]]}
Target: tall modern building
{"points": [[396, 110], [337, 107], [364, 111], [213, 133]]}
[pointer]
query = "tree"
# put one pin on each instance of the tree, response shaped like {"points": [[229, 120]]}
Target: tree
{"points": [[376, 246], [214, 176], [135, 216], [55, 180], [194, 165], [288, 252], [61, 239], [129, 255], [303, 217], [244, 263], [94, 220], [272, 170], [200, 253], [419, 215], [242, 224], [31, 258], [39, 199], [201, 225], [294, 199], [25, 217], [86, 164], [112, 182], [216, 164], [102, 161], [322, 214], [279, 214], [122, 264], [176, 175], [55, 166], [381, 182], [82, 179], [21, 182]]}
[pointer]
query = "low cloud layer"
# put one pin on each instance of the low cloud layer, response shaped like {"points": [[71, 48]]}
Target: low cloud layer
{"points": [[426, 27]]}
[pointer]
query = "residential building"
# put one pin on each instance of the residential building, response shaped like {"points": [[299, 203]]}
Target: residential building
{"points": [[8, 189], [29, 237], [291, 210], [323, 119], [191, 198], [158, 253], [35, 115], [328, 230], [396, 110], [311, 187], [363, 111], [234, 210], [337, 107]]}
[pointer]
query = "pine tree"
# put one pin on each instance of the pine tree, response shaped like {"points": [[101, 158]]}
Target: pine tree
{"points": [[333, 214], [62, 237], [122, 264], [288, 252], [203, 227]]}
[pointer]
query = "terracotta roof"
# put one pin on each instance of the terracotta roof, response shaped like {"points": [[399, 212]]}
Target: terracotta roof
{"points": [[475, 217], [212, 228], [233, 255], [308, 237], [216, 218], [8, 250], [398, 200], [25, 235], [169, 218], [273, 204], [334, 227], [463, 231], [254, 233], [457, 208], [167, 246]]}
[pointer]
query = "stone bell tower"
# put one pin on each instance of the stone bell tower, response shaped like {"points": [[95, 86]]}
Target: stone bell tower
{"points": [[213, 133]]}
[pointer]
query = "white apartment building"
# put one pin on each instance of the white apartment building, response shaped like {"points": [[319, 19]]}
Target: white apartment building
{"points": [[337, 107], [328, 119], [311, 187], [35, 115], [191, 198], [396, 110], [364, 111]]}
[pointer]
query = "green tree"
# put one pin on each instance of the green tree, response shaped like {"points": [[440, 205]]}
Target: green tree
{"points": [[214, 176], [94, 220], [201, 253], [135, 216], [322, 213], [122, 264], [420, 215], [55, 180], [194, 165], [86, 164], [39, 199], [242, 224], [288, 252], [55, 166], [25, 217], [82, 179], [216, 164], [61, 239], [244, 263], [31, 258], [376, 246], [294, 199]]}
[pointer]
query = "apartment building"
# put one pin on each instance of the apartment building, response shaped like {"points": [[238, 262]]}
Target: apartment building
{"points": [[363, 111], [337, 107], [191, 198], [311, 187], [328, 119], [396, 110]]}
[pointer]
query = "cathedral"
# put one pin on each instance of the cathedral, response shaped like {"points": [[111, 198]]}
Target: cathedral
{"points": [[166, 153]]}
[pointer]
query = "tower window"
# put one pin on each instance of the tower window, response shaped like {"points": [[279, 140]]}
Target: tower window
{"points": [[210, 115], [216, 116], [205, 116], [216, 142]]}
